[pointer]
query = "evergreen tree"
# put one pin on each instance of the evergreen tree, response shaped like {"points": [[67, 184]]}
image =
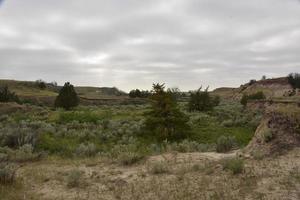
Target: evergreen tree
{"points": [[67, 97], [165, 120]]}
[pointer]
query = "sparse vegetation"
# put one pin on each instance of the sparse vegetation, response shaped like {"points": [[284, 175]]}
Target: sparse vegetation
{"points": [[129, 158], [235, 165], [7, 174], [86, 150], [74, 178], [150, 151], [159, 167], [225, 144], [267, 135]]}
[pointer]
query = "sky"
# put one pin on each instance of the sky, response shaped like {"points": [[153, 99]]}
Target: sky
{"points": [[134, 43]]}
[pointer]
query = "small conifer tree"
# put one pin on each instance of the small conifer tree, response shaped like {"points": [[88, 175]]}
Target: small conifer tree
{"points": [[67, 97], [165, 121]]}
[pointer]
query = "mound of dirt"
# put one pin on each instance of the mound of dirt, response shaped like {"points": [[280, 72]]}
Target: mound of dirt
{"points": [[272, 88], [276, 134]]}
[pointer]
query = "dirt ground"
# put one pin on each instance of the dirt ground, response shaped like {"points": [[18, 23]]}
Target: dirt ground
{"points": [[167, 176]]}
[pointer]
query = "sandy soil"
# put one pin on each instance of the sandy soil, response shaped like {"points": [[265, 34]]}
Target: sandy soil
{"points": [[188, 176]]}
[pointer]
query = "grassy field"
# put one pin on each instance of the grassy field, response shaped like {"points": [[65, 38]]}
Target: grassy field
{"points": [[107, 128]]}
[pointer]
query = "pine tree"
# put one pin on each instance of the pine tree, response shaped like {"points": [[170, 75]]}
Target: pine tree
{"points": [[67, 97], [165, 121]]}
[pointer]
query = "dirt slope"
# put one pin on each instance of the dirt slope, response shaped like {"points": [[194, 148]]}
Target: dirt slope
{"points": [[272, 88], [278, 132]]}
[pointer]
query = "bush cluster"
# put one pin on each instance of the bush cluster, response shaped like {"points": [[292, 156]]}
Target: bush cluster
{"points": [[7, 173], [202, 101], [86, 150], [8, 96], [139, 93], [256, 96], [235, 165], [74, 178], [225, 144]]}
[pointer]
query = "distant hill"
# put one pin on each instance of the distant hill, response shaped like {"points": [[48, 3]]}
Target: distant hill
{"points": [[225, 92], [276, 88], [31, 92], [29, 88]]}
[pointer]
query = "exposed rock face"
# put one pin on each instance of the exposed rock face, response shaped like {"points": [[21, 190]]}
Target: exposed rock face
{"points": [[276, 134], [272, 88], [278, 87]]}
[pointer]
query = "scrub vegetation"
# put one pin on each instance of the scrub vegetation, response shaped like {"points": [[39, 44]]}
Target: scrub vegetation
{"points": [[175, 145]]}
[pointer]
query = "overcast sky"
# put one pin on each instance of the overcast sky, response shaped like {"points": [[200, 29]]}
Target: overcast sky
{"points": [[133, 43]]}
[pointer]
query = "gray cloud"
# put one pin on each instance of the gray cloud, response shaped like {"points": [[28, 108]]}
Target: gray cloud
{"points": [[133, 43]]}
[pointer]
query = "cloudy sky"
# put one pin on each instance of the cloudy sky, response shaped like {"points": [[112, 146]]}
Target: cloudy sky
{"points": [[133, 43]]}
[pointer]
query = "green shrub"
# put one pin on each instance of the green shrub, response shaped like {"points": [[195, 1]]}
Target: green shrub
{"points": [[190, 146], [235, 165], [7, 174], [228, 123], [23, 154], [57, 145], [160, 167], [267, 136], [257, 155], [74, 178], [256, 96], [8, 96], [86, 150], [129, 158], [79, 116], [225, 143], [18, 136]]}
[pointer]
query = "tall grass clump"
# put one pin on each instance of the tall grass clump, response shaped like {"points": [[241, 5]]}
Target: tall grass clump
{"points": [[235, 165], [225, 143], [74, 178], [86, 150], [7, 174], [159, 167]]}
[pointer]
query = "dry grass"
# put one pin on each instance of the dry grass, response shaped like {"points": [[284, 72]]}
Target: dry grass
{"points": [[176, 176]]}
